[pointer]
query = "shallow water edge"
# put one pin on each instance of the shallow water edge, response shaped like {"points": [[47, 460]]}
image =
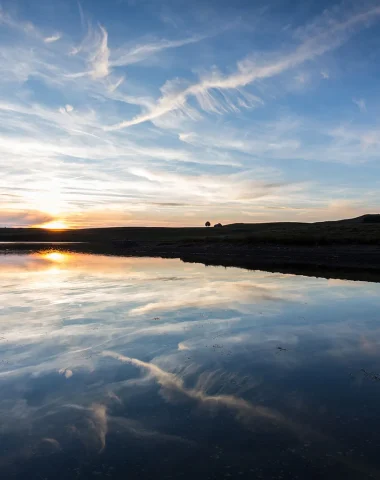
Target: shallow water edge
{"points": [[352, 262]]}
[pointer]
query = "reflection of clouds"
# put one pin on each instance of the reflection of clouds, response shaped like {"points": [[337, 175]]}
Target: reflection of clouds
{"points": [[137, 431], [67, 373], [79, 345], [84, 308], [219, 294], [86, 263], [368, 345], [55, 445], [54, 328], [248, 414], [173, 386], [99, 302], [99, 423], [73, 426]]}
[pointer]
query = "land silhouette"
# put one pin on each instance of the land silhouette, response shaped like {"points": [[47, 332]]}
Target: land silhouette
{"points": [[347, 248]]}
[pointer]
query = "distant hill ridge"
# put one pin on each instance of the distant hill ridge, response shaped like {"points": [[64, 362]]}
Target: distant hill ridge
{"points": [[361, 230], [368, 218]]}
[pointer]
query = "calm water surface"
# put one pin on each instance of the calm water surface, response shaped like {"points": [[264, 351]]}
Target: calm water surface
{"points": [[121, 368]]}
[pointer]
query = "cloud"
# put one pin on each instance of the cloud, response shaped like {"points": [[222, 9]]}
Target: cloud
{"points": [[23, 218], [99, 59], [66, 109], [128, 56], [361, 104], [95, 45], [102, 61], [325, 74], [272, 140], [289, 138], [142, 50], [53, 38], [113, 87], [301, 79], [327, 38], [25, 27]]}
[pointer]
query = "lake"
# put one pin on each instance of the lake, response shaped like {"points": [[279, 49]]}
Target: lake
{"points": [[120, 368]]}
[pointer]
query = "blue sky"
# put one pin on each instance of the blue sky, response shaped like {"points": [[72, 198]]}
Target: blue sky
{"points": [[173, 113]]}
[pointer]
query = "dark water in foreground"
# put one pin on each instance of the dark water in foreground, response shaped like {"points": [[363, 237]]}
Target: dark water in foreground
{"points": [[121, 368]]}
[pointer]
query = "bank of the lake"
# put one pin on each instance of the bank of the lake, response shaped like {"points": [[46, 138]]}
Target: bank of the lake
{"points": [[340, 249], [351, 262]]}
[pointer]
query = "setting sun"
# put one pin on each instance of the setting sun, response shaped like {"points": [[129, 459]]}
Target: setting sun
{"points": [[55, 225]]}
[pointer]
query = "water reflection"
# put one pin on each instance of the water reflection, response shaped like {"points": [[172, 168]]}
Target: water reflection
{"points": [[124, 367], [56, 257]]}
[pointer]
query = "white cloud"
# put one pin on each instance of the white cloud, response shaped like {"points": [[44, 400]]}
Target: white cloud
{"points": [[301, 79], [95, 46], [266, 140], [113, 87], [137, 53], [53, 38], [327, 38], [99, 59], [288, 138], [66, 109], [21, 218], [361, 104]]}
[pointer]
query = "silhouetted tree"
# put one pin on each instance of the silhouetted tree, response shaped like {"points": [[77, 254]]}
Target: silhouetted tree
{"points": [[218, 225], [207, 224]]}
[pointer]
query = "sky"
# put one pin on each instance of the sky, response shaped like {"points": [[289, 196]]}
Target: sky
{"points": [[174, 113]]}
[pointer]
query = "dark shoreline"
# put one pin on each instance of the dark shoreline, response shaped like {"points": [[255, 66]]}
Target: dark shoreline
{"points": [[348, 262]]}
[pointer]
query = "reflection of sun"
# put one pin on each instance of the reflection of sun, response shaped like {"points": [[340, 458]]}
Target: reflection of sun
{"points": [[56, 257], [55, 225]]}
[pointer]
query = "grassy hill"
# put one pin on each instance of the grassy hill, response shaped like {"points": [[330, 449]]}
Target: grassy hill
{"points": [[361, 230]]}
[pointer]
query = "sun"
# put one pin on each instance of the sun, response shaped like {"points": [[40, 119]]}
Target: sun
{"points": [[55, 225]]}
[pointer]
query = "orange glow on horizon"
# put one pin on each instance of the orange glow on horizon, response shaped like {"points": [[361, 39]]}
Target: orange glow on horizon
{"points": [[55, 225]]}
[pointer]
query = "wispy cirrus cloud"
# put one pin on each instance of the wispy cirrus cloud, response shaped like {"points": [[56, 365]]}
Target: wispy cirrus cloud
{"points": [[140, 52], [95, 45], [101, 59], [328, 36]]}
